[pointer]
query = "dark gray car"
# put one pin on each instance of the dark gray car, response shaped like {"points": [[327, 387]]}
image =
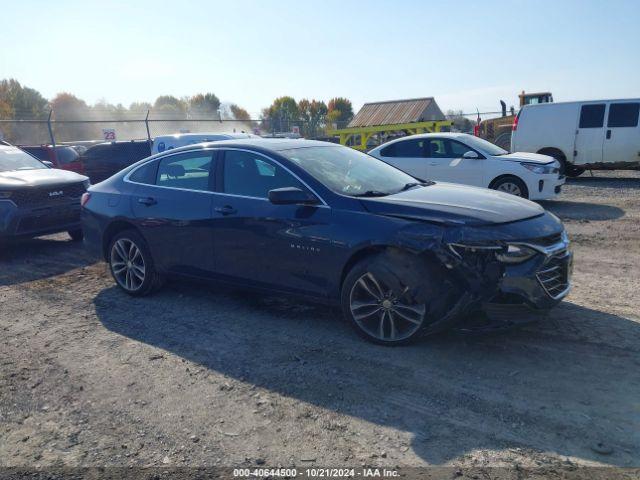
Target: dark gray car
{"points": [[35, 199]]}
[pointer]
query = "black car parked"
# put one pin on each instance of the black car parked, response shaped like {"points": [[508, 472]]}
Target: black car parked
{"points": [[403, 257], [103, 160], [37, 200]]}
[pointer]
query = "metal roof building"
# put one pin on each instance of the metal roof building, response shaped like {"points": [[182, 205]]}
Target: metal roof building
{"points": [[397, 112]]}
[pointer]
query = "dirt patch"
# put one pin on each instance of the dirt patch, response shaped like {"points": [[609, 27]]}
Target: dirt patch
{"points": [[199, 376]]}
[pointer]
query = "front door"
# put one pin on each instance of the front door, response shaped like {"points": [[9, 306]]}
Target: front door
{"points": [[173, 207], [257, 242], [589, 134], [622, 138], [446, 163]]}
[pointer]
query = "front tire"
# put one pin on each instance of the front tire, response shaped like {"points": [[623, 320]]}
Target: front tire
{"points": [[382, 311], [512, 185], [132, 265]]}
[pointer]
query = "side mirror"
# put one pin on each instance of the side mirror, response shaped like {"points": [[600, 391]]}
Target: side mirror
{"points": [[471, 155], [47, 163], [291, 196]]}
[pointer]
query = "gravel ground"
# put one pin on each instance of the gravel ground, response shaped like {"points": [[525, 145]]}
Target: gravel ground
{"points": [[199, 376]]}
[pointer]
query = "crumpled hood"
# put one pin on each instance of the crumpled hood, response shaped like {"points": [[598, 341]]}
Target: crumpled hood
{"points": [[450, 203], [528, 157], [42, 177]]}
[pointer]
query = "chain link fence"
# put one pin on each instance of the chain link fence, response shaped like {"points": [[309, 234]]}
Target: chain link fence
{"points": [[81, 131], [146, 127]]}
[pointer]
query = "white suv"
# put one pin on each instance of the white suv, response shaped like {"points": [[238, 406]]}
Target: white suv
{"points": [[469, 160]]}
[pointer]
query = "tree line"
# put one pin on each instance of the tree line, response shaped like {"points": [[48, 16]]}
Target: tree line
{"points": [[19, 102]]}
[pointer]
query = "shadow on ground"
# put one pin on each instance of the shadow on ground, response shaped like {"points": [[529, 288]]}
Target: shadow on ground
{"points": [[39, 258], [554, 387], [605, 182], [567, 210]]}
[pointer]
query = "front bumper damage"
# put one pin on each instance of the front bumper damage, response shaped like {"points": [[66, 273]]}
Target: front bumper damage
{"points": [[491, 295]]}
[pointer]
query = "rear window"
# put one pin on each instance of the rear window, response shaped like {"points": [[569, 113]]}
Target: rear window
{"points": [[133, 151], [404, 148], [592, 116], [623, 115]]}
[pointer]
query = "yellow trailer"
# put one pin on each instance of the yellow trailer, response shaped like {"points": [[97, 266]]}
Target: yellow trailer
{"points": [[358, 137]]}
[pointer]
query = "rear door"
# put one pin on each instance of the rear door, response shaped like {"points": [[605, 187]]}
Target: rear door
{"points": [[622, 137], [446, 163], [407, 155], [590, 134], [172, 205]]}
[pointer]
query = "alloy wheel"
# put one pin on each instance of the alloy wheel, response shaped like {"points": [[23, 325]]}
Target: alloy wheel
{"points": [[383, 314], [510, 187], [127, 264]]}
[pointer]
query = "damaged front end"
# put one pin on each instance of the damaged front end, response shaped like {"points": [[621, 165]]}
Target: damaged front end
{"points": [[492, 277]]}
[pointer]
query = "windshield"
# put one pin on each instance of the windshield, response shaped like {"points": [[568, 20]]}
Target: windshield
{"points": [[15, 159], [350, 172], [480, 144]]}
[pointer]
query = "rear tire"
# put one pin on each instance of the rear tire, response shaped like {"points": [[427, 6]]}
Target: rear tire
{"points": [[76, 235], [132, 265], [570, 170], [512, 185]]}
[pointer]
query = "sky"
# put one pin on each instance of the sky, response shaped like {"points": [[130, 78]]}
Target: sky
{"points": [[466, 54]]}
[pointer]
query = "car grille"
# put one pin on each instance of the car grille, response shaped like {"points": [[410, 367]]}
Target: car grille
{"points": [[554, 274], [46, 221], [52, 195]]}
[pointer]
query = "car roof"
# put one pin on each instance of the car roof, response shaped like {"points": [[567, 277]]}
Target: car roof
{"points": [[273, 144], [580, 102], [418, 136], [229, 135]]}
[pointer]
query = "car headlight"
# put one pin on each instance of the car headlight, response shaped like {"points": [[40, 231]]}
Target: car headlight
{"points": [[540, 169], [5, 195], [515, 254]]}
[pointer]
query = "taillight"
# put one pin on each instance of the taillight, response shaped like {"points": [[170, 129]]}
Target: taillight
{"points": [[86, 196], [514, 127]]}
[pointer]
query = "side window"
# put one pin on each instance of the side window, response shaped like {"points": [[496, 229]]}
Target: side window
{"points": [[457, 149], [404, 148], [251, 175], [438, 148], [145, 174], [592, 116], [188, 170], [623, 115]]}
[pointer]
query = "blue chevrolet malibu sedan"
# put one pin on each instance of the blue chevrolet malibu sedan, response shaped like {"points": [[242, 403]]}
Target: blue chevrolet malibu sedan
{"points": [[404, 257]]}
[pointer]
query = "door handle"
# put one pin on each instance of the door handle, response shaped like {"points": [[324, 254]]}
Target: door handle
{"points": [[608, 134], [226, 210], [148, 201]]}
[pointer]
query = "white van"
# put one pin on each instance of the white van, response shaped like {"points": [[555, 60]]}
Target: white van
{"points": [[168, 142], [596, 135]]}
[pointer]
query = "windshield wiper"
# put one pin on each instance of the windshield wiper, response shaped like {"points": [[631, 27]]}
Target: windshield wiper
{"points": [[371, 193], [409, 185]]}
